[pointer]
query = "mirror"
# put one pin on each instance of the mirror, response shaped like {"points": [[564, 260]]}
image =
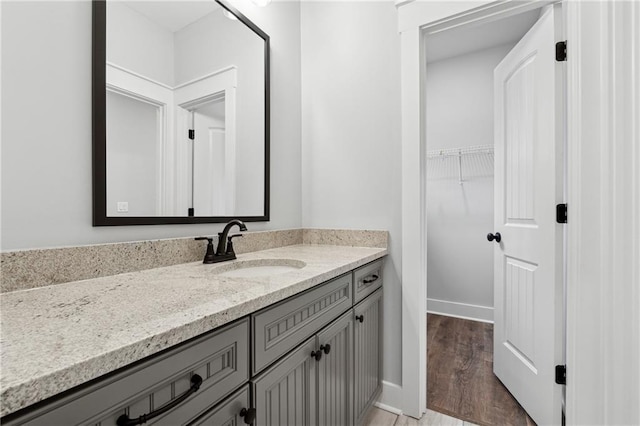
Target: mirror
{"points": [[180, 113]]}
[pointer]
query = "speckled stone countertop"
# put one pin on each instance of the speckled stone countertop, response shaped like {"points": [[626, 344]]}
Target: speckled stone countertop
{"points": [[57, 337]]}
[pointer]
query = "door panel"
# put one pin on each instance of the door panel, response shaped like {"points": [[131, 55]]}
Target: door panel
{"points": [[285, 394], [519, 135], [528, 263], [335, 373]]}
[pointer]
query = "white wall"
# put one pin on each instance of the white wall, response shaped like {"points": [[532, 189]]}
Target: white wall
{"points": [[46, 131], [351, 134], [459, 113]]}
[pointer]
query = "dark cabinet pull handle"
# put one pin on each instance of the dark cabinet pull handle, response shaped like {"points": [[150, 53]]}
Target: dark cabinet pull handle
{"points": [[496, 237], [360, 318], [124, 419], [370, 280], [249, 415], [325, 348], [317, 355]]}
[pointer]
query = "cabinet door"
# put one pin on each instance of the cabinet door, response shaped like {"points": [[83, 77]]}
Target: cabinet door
{"points": [[335, 373], [228, 412], [367, 359], [285, 394]]}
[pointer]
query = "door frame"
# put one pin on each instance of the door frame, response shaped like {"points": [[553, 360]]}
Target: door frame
{"points": [[603, 239], [221, 84]]}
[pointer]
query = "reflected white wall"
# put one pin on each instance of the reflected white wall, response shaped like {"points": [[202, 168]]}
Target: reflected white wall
{"points": [[132, 140], [214, 43]]}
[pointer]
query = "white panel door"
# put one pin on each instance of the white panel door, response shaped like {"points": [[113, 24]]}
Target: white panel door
{"points": [[528, 185]]}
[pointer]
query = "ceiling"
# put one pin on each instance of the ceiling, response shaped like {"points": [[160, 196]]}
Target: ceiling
{"points": [[467, 39], [173, 15]]}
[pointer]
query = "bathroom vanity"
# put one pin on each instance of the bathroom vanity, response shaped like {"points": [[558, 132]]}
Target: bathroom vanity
{"points": [[283, 336]]}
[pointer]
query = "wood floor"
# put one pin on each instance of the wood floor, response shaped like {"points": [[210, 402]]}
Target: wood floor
{"points": [[378, 417], [460, 379]]}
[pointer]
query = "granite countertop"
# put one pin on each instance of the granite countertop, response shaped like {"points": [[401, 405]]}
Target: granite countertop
{"points": [[57, 337]]}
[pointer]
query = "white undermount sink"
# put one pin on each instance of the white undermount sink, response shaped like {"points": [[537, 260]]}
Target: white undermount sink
{"points": [[259, 268]]}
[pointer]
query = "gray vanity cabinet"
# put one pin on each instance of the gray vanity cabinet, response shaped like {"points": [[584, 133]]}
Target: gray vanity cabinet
{"points": [[316, 362], [285, 394], [335, 373], [220, 359], [367, 354]]}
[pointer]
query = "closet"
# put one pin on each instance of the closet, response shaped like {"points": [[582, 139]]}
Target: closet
{"points": [[460, 168], [461, 159]]}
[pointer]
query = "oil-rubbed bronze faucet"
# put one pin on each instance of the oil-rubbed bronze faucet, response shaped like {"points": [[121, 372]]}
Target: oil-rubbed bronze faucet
{"points": [[224, 251]]}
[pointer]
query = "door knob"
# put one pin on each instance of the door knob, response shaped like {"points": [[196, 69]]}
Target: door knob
{"points": [[496, 237]]}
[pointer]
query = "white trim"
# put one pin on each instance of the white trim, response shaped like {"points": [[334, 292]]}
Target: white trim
{"points": [[131, 84], [414, 290], [391, 398], [460, 310], [163, 127], [203, 88], [399, 3], [603, 286], [140, 88], [491, 12], [415, 20], [603, 276], [388, 408], [219, 84], [223, 71], [112, 66]]}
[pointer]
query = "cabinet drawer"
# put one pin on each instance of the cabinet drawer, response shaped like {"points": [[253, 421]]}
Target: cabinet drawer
{"points": [[227, 412], [367, 279], [219, 358], [278, 329]]}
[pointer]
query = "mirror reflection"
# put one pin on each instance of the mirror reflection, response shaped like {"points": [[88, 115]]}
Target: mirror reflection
{"points": [[185, 111]]}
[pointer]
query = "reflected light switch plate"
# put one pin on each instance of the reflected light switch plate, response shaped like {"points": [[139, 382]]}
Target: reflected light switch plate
{"points": [[123, 206]]}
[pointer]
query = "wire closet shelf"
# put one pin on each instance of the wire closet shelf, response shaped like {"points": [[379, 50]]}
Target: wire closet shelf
{"points": [[463, 163]]}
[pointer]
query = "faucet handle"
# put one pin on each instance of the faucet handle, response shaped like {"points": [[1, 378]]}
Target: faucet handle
{"points": [[209, 256], [230, 242]]}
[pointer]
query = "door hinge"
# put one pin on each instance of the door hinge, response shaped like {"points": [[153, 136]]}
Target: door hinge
{"points": [[561, 51], [561, 374], [192, 134], [561, 213], [190, 212]]}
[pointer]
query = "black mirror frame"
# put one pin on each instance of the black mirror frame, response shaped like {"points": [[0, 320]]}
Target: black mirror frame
{"points": [[99, 136]]}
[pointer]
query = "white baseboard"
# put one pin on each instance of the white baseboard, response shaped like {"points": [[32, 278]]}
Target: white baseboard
{"points": [[460, 310], [388, 408], [390, 398]]}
